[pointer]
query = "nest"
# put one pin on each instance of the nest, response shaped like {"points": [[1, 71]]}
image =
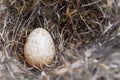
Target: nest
{"points": [[84, 32]]}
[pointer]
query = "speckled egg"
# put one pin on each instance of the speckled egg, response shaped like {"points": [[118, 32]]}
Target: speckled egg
{"points": [[39, 49]]}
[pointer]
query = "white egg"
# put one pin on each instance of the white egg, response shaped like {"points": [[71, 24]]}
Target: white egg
{"points": [[39, 49]]}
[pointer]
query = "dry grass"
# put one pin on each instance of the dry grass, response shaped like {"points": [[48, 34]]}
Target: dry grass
{"points": [[85, 33]]}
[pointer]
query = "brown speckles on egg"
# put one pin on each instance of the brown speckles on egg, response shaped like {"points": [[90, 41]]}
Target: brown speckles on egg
{"points": [[39, 48]]}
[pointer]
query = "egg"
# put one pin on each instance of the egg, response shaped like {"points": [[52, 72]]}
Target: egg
{"points": [[39, 49]]}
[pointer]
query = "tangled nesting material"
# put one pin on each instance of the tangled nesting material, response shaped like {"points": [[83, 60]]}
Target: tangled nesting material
{"points": [[74, 27]]}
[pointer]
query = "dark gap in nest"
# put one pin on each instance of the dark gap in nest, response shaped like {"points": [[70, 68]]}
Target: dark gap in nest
{"points": [[74, 25], [102, 78]]}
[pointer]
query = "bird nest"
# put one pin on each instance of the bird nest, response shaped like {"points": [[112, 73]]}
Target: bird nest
{"points": [[84, 33]]}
